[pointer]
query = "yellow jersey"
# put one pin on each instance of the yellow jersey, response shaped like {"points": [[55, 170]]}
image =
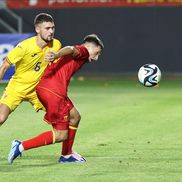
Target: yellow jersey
{"points": [[28, 59]]}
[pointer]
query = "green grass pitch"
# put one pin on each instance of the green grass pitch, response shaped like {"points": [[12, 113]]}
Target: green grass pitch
{"points": [[128, 133]]}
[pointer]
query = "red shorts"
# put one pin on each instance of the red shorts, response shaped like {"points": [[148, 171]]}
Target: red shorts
{"points": [[57, 108]]}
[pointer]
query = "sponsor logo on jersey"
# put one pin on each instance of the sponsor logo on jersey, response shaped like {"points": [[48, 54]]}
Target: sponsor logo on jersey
{"points": [[33, 55]]}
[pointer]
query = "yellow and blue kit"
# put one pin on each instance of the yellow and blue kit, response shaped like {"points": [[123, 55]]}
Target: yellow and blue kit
{"points": [[28, 59]]}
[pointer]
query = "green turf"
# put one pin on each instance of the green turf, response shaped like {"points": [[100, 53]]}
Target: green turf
{"points": [[128, 133]]}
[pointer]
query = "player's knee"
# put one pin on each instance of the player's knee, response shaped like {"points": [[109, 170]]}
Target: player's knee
{"points": [[4, 113], [76, 119], [3, 118]]}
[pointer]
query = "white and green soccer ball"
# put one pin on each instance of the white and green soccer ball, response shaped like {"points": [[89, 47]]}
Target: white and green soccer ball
{"points": [[149, 75]]}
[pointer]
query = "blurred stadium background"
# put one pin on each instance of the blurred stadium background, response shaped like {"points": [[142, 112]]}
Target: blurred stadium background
{"points": [[128, 133], [134, 32]]}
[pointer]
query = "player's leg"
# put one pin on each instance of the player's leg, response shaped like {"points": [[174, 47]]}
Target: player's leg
{"points": [[4, 113], [67, 154], [56, 115], [34, 100], [73, 125], [8, 103], [46, 138]]}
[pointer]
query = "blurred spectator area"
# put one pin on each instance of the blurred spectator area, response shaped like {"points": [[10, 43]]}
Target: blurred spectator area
{"points": [[2, 3], [10, 22]]}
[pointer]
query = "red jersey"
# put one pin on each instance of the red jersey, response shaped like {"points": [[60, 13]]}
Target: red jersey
{"points": [[57, 75]]}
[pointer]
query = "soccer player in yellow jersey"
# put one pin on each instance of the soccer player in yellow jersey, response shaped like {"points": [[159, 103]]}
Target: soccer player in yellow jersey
{"points": [[28, 57]]}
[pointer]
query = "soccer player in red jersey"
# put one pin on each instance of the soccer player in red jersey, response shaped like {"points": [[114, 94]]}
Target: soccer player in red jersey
{"points": [[52, 92]]}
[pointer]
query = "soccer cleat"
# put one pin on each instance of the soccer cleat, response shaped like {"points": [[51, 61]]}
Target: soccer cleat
{"points": [[72, 158], [75, 154], [14, 151]]}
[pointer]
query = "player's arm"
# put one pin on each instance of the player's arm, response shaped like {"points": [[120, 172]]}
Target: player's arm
{"points": [[3, 68], [68, 50]]}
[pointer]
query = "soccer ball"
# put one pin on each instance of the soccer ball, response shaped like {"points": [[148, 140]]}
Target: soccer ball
{"points": [[149, 75]]}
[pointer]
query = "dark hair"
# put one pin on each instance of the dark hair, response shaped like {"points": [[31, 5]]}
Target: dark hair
{"points": [[95, 39], [43, 17]]}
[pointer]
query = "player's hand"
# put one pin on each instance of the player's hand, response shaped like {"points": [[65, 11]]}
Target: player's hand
{"points": [[50, 56]]}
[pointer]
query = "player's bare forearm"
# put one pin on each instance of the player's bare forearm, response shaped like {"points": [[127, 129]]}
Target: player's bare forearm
{"points": [[3, 68], [68, 50]]}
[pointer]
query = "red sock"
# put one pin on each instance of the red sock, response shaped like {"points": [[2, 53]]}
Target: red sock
{"points": [[67, 145], [45, 138]]}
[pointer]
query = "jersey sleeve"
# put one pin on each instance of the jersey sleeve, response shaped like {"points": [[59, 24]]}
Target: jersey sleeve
{"points": [[16, 54], [82, 52]]}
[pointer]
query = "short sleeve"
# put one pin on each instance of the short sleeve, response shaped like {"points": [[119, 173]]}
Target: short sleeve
{"points": [[16, 54]]}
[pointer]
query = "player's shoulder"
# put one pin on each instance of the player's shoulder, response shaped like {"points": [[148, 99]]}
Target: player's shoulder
{"points": [[81, 48], [57, 42], [82, 52], [28, 41]]}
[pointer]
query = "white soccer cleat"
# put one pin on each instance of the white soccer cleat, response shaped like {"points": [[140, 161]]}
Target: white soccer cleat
{"points": [[72, 158], [14, 151]]}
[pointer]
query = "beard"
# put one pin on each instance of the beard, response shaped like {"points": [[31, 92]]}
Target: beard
{"points": [[48, 39]]}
